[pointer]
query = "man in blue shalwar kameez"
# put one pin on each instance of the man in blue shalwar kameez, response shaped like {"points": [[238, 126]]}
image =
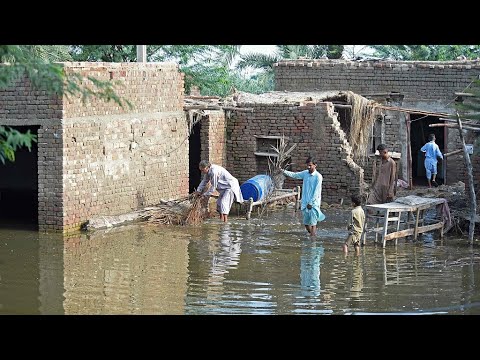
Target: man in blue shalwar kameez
{"points": [[432, 152], [311, 195]]}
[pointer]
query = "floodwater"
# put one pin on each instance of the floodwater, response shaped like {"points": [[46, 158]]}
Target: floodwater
{"points": [[263, 266]]}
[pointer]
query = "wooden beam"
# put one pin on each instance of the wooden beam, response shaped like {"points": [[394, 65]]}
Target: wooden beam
{"points": [[237, 108], [473, 197], [215, 107], [341, 106], [455, 121], [201, 97], [453, 126], [465, 94], [453, 152], [413, 111]]}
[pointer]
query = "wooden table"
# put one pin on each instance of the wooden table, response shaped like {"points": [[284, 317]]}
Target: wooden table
{"points": [[414, 223]]}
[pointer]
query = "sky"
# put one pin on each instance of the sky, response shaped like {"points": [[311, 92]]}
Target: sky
{"points": [[269, 49], [264, 49]]}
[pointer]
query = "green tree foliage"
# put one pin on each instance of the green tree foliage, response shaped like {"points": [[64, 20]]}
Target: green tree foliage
{"points": [[205, 66], [265, 62], [426, 52], [11, 140], [40, 64], [37, 62]]}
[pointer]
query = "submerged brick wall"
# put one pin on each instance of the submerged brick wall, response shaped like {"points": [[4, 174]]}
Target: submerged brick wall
{"points": [[414, 79], [212, 135], [314, 128]]}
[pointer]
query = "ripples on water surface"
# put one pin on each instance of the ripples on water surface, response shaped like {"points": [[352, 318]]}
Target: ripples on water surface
{"points": [[259, 266]]}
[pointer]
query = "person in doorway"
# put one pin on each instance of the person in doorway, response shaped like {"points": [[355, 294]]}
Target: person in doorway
{"points": [[311, 195], [222, 181], [355, 225], [383, 187], [432, 152]]}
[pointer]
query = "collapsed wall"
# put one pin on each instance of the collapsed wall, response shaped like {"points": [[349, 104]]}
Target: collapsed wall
{"points": [[313, 125]]}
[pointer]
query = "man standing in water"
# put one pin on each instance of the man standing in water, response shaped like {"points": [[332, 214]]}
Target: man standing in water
{"points": [[222, 181], [383, 188], [311, 195]]}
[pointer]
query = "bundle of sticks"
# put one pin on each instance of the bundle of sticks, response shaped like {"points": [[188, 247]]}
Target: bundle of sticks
{"points": [[190, 210]]}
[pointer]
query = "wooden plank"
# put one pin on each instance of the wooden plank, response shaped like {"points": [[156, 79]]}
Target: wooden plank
{"points": [[465, 94], [408, 232], [399, 234], [453, 126], [430, 227], [259, 153], [270, 137], [413, 111], [393, 207], [453, 152]]}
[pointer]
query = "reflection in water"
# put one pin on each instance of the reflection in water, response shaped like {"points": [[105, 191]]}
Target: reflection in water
{"points": [[263, 266], [310, 262], [225, 256], [125, 271]]}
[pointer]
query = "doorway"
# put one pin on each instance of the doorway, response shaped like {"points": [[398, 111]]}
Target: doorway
{"points": [[19, 186], [419, 131], [194, 150]]}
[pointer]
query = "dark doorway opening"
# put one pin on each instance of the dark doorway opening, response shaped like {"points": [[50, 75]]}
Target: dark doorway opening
{"points": [[194, 149], [19, 186], [419, 132]]}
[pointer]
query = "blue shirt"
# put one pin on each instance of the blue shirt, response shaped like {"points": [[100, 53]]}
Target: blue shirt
{"points": [[311, 189], [431, 150]]}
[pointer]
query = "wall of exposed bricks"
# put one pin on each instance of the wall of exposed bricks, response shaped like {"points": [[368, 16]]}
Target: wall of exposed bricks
{"points": [[426, 85], [316, 130], [212, 137], [414, 79], [98, 158], [149, 87], [22, 104], [122, 163]]}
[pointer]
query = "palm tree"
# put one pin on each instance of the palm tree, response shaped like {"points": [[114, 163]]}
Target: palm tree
{"points": [[265, 62]]}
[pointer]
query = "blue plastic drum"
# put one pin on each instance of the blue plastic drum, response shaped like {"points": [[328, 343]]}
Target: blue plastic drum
{"points": [[257, 187]]}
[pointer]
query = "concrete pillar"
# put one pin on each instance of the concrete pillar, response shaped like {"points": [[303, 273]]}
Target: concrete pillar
{"points": [[141, 53]]}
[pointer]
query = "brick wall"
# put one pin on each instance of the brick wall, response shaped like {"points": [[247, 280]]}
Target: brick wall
{"points": [[316, 130], [414, 79], [98, 158], [213, 137], [118, 164], [426, 85], [23, 104], [149, 87]]}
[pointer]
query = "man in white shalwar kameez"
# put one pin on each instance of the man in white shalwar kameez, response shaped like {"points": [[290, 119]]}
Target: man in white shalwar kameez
{"points": [[222, 181]]}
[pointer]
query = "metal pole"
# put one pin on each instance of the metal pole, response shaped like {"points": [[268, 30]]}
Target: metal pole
{"points": [[142, 53]]}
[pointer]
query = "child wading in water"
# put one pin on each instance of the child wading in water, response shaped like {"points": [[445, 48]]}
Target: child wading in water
{"points": [[355, 225]]}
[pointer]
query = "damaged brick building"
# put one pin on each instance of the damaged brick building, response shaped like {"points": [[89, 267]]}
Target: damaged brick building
{"points": [[100, 159], [309, 108]]}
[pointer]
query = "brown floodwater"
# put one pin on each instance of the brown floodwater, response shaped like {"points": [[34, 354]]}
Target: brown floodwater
{"points": [[262, 266]]}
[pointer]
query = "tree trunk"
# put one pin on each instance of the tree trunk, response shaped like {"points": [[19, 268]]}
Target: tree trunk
{"points": [[473, 199]]}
